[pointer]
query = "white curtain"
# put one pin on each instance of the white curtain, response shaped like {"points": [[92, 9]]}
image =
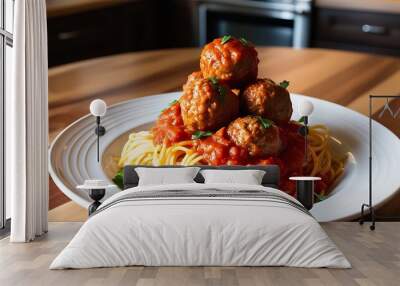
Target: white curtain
{"points": [[27, 123]]}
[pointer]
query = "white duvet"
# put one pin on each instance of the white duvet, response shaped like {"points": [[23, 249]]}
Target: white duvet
{"points": [[200, 231]]}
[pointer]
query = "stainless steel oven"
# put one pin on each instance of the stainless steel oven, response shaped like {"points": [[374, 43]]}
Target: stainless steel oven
{"points": [[264, 22]]}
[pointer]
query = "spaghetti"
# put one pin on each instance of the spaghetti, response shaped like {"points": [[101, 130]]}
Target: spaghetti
{"points": [[321, 160], [141, 150]]}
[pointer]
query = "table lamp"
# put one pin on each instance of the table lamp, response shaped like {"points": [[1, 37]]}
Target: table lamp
{"points": [[98, 109], [305, 184]]}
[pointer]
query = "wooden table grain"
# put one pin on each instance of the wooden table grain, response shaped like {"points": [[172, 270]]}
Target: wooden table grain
{"points": [[65, 7], [346, 78]]}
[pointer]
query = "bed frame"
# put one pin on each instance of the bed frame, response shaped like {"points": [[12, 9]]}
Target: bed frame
{"points": [[271, 177]]}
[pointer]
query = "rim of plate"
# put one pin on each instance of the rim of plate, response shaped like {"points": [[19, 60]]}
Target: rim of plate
{"points": [[72, 155]]}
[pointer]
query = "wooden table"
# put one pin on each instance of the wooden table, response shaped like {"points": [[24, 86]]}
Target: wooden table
{"points": [[66, 7], [346, 78]]}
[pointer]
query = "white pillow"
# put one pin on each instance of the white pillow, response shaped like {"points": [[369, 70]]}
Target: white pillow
{"points": [[166, 176], [248, 177]]}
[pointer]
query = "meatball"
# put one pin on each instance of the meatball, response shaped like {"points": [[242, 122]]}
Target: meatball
{"points": [[233, 61], [267, 99], [206, 104], [258, 135], [194, 76]]}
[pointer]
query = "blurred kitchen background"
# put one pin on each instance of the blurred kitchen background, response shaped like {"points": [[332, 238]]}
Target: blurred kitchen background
{"points": [[84, 29]]}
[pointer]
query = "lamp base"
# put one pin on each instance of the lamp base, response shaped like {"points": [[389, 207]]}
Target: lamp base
{"points": [[303, 130], [371, 215], [100, 130], [305, 193]]}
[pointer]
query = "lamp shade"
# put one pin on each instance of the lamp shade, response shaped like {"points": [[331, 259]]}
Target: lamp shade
{"points": [[306, 108], [98, 107]]}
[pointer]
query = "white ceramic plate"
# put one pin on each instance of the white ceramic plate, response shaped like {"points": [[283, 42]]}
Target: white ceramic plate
{"points": [[73, 152]]}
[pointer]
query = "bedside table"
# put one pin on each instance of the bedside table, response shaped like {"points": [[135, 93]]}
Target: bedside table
{"points": [[305, 190], [96, 191]]}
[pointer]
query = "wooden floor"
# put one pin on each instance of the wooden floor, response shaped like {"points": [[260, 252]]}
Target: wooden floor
{"points": [[375, 257]]}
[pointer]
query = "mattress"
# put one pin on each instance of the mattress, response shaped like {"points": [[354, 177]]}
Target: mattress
{"points": [[201, 225]]}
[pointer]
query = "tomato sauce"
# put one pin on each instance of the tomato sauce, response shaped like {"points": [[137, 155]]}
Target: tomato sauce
{"points": [[169, 128], [218, 149], [291, 159]]}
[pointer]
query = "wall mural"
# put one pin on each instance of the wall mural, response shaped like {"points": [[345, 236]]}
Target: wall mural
{"points": [[229, 114]]}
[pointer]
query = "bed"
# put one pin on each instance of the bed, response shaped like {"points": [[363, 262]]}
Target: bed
{"points": [[201, 224]]}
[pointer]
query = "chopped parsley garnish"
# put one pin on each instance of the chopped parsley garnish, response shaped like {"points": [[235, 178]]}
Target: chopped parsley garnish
{"points": [[222, 90], [170, 104], [320, 197], [266, 123], [244, 41], [173, 102], [284, 84], [119, 179], [213, 80], [200, 134], [226, 39], [301, 120]]}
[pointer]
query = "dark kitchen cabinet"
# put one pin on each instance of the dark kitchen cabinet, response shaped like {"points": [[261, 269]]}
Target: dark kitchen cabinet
{"points": [[357, 31], [100, 32], [177, 19]]}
